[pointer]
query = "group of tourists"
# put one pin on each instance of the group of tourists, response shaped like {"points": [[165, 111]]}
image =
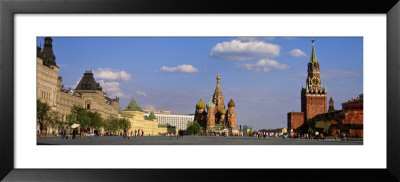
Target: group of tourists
{"points": [[83, 133], [128, 134]]}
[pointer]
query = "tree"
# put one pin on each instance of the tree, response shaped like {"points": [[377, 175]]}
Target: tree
{"points": [[193, 128], [78, 115], [133, 106], [43, 115], [54, 119], [151, 116], [95, 119], [46, 117], [124, 123], [111, 124]]}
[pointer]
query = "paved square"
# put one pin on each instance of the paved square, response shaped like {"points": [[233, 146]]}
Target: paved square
{"points": [[187, 140]]}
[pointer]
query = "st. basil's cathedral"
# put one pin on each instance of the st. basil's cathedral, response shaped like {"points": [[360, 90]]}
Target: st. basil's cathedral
{"points": [[216, 116]]}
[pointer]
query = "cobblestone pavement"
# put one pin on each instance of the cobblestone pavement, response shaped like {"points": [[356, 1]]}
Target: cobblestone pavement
{"points": [[187, 140]]}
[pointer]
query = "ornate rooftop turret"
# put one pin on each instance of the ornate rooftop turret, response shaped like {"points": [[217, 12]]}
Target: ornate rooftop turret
{"points": [[231, 103], [201, 104], [88, 82], [49, 59], [222, 112]]}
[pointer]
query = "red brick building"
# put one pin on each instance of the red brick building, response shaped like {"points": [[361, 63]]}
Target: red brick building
{"points": [[313, 96], [295, 120], [314, 114]]}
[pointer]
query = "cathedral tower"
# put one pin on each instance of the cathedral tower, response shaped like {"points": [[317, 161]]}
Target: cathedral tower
{"points": [[200, 114], [313, 97], [218, 98], [231, 114], [211, 111]]}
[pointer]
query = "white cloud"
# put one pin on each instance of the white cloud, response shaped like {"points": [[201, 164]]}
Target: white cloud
{"points": [[112, 88], [141, 93], [297, 53], [238, 50], [109, 74], [183, 68], [264, 65]]}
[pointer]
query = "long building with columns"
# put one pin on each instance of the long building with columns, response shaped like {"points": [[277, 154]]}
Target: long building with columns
{"points": [[88, 93]]}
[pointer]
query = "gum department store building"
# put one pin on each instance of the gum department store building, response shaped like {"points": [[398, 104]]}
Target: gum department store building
{"points": [[88, 93]]}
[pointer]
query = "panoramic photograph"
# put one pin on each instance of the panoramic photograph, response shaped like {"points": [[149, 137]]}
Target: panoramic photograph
{"points": [[199, 90]]}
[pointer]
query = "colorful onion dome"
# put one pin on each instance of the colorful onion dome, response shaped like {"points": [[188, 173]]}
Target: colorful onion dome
{"points": [[222, 111], [201, 104], [231, 103], [210, 105]]}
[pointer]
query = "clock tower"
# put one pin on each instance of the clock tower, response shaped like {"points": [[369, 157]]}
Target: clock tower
{"points": [[313, 96]]}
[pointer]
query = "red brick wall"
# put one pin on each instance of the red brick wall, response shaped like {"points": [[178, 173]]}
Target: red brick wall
{"points": [[295, 119], [356, 132], [354, 117], [315, 105]]}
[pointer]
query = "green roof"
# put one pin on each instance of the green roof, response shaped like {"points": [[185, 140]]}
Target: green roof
{"points": [[133, 106], [313, 58]]}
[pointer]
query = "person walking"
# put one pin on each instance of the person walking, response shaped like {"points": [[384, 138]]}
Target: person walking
{"points": [[82, 133], [62, 134], [135, 133], [125, 134], [142, 132], [74, 134]]}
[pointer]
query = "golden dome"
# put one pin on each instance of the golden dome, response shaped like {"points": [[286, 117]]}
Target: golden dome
{"points": [[201, 104], [222, 111]]}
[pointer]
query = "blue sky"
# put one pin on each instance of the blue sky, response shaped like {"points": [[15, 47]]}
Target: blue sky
{"points": [[263, 75]]}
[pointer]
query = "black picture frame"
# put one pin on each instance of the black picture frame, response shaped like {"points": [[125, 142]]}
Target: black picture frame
{"points": [[9, 8]]}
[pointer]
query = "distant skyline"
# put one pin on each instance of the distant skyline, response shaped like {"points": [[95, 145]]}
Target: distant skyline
{"points": [[263, 75]]}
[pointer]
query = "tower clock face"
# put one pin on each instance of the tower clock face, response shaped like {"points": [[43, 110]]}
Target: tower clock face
{"points": [[315, 81]]}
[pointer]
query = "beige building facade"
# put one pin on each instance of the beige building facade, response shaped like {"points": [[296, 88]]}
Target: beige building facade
{"points": [[138, 122], [88, 93]]}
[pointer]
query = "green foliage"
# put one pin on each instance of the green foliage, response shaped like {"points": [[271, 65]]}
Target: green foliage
{"points": [[193, 128], [150, 117], [111, 124], [95, 119], [54, 120], [171, 129], [78, 115], [42, 113], [133, 106], [45, 117], [124, 123]]}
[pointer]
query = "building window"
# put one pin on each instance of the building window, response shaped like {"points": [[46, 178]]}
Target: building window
{"points": [[88, 106]]}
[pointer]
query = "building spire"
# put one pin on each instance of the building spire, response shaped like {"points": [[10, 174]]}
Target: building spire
{"points": [[218, 98], [313, 58]]}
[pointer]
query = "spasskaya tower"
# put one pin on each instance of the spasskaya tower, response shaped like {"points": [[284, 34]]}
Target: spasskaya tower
{"points": [[313, 96]]}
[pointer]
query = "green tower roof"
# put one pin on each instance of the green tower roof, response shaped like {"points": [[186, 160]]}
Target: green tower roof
{"points": [[133, 106], [313, 58]]}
